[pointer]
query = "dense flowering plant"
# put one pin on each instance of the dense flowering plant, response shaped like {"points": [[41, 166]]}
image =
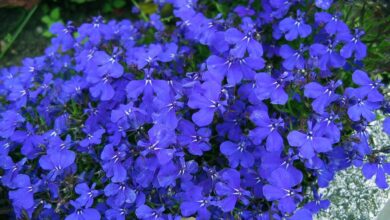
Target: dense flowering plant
{"points": [[242, 114]]}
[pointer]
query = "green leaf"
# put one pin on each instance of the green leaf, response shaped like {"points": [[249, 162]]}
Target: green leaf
{"points": [[8, 38], [148, 8], [119, 3], [46, 19], [47, 34], [55, 14], [107, 8]]}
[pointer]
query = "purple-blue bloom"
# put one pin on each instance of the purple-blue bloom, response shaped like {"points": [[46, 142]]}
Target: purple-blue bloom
{"points": [[309, 143]]}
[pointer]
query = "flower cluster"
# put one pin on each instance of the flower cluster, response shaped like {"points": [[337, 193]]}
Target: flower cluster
{"points": [[243, 114]]}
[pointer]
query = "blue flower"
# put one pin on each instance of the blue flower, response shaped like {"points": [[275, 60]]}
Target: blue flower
{"points": [[229, 188], [327, 55], [378, 168], [238, 153], [9, 121], [281, 187], [23, 196], [267, 128], [235, 69], [386, 126], [167, 106], [112, 162], [128, 113], [105, 69], [361, 105], [207, 99], [353, 45], [292, 58], [323, 95], [147, 87], [160, 138], [267, 87], [64, 35], [244, 41], [295, 27], [197, 141], [82, 212], [144, 212], [195, 202], [367, 86], [30, 141], [87, 194], [309, 143], [324, 4], [93, 137], [333, 23], [57, 161], [120, 193]]}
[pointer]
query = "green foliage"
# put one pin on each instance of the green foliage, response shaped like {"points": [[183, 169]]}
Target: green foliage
{"points": [[53, 16]]}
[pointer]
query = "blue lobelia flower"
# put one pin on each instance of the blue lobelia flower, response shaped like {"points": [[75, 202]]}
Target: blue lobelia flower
{"points": [[244, 41], [108, 64], [167, 105], [318, 204], [120, 193], [323, 4], [333, 23], [282, 187], [168, 174], [386, 126], [238, 152], [329, 127], [57, 161], [8, 123], [105, 68], [82, 212], [295, 27], [195, 202], [353, 45], [196, 140], [30, 141], [147, 87], [10, 169], [235, 69], [309, 143], [323, 95], [74, 86], [92, 31], [117, 213], [206, 98], [293, 58], [379, 168], [86, 194], [93, 137], [367, 86], [144, 212], [64, 35], [267, 128], [128, 113], [268, 87], [302, 213], [327, 55], [229, 188], [160, 137], [23, 196], [112, 162], [361, 105]]}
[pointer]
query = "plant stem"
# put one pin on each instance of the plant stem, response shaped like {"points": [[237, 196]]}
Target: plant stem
{"points": [[18, 31], [142, 13]]}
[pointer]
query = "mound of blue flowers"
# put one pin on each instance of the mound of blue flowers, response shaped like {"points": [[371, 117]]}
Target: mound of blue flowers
{"points": [[236, 115]]}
